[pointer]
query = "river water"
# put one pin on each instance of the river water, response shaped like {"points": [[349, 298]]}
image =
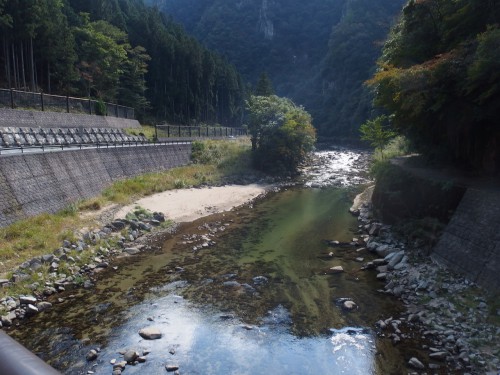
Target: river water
{"points": [[244, 292]]}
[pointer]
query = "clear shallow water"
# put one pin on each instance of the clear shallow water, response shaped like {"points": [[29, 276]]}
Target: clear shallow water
{"points": [[214, 314]]}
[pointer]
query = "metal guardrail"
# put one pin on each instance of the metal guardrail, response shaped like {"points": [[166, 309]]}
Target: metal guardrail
{"points": [[15, 359], [81, 146], [10, 98], [178, 131]]}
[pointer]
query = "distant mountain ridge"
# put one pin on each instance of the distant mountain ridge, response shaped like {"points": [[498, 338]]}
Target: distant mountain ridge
{"points": [[318, 52]]}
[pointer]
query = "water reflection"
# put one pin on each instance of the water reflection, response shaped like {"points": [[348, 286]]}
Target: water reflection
{"points": [[206, 342]]}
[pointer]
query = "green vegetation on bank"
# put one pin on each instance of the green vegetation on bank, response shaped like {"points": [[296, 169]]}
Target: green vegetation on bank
{"points": [[439, 80], [213, 163]]}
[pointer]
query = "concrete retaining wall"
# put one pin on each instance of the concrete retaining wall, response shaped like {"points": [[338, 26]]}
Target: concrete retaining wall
{"points": [[471, 242], [32, 184], [38, 119]]}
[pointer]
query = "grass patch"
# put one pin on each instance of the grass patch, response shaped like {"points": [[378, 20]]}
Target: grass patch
{"points": [[35, 236], [147, 131]]}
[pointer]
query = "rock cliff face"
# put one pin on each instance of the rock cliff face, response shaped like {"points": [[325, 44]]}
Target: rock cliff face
{"points": [[266, 25]]}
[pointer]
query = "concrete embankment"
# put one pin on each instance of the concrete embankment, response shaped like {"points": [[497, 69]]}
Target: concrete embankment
{"points": [[32, 184]]}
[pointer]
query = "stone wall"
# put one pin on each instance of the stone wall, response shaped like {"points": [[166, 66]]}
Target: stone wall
{"points": [[38, 119], [32, 184], [471, 242]]}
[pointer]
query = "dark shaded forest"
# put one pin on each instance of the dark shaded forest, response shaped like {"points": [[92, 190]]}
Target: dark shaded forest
{"points": [[118, 51], [439, 79]]}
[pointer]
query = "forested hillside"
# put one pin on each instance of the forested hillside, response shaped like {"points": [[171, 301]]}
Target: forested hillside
{"points": [[119, 51], [318, 52], [439, 78]]}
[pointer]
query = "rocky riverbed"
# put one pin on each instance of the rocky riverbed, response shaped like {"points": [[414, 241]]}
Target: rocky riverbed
{"points": [[444, 310]]}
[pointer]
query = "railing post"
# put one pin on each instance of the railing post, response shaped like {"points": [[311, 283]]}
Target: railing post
{"points": [[179, 131], [90, 106], [116, 110], [189, 131], [12, 98], [168, 131], [67, 103], [156, 132], [41, 101], [199, 131]]}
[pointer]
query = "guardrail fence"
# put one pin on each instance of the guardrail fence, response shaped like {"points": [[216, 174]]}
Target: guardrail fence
{"points": [[176, 131], [10, 98]]}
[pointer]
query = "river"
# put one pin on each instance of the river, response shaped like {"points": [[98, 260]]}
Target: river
{"points": [[244, 292]]}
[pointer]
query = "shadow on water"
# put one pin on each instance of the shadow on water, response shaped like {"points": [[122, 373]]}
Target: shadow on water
{"points": [[243, 292]]}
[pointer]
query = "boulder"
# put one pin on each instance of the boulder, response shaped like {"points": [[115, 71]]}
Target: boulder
{"points": [[150, 333], [25, 300], [130, 356], [395, 259]]}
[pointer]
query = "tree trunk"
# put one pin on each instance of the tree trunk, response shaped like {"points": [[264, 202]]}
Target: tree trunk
{"points": [[32, 66], [48, 77], [7, 61], [14, 65], [23, 74]]}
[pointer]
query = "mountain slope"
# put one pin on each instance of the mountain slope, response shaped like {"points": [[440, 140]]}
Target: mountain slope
{"points": [[317, 52]]}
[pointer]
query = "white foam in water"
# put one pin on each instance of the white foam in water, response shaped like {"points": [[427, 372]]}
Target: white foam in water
{"points": [[353, 349], [340, 167]]}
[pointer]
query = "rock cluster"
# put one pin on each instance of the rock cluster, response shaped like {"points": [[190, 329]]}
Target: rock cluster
{"points": [[443, 309], [74, 264]]}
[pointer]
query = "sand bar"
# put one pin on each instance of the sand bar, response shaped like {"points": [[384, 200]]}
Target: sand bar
{"points": [[184, 205]]}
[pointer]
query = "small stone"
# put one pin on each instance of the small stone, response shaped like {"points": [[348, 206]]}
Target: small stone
{"points": [[337, 269], [349, 305], [416, 364], [150, 333], [171, 368], [439, 356], [382, 276], [91, 355], [141, 359]]}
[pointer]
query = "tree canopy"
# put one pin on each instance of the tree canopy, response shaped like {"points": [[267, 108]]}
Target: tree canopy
{"points": [[119, 51], [282, 133], [439, 78]]}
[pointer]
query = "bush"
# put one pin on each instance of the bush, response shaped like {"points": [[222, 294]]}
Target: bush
{"points": [[100, 108]]}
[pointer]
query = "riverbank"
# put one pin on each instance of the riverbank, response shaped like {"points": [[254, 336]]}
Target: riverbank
{"points": [[452, 315], [121, 233]]}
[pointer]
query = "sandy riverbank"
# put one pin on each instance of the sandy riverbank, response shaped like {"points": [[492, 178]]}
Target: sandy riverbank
{"points": [[185, 205]]}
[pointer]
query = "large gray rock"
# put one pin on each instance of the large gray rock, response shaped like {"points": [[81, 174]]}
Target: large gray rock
{"points": [[25, 300], [130, 356], [42, 306], [150, 333], [395, 259]]}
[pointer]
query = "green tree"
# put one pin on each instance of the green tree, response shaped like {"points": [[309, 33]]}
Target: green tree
{"points": [[264, 86], [377, 133], [282, 133]]}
